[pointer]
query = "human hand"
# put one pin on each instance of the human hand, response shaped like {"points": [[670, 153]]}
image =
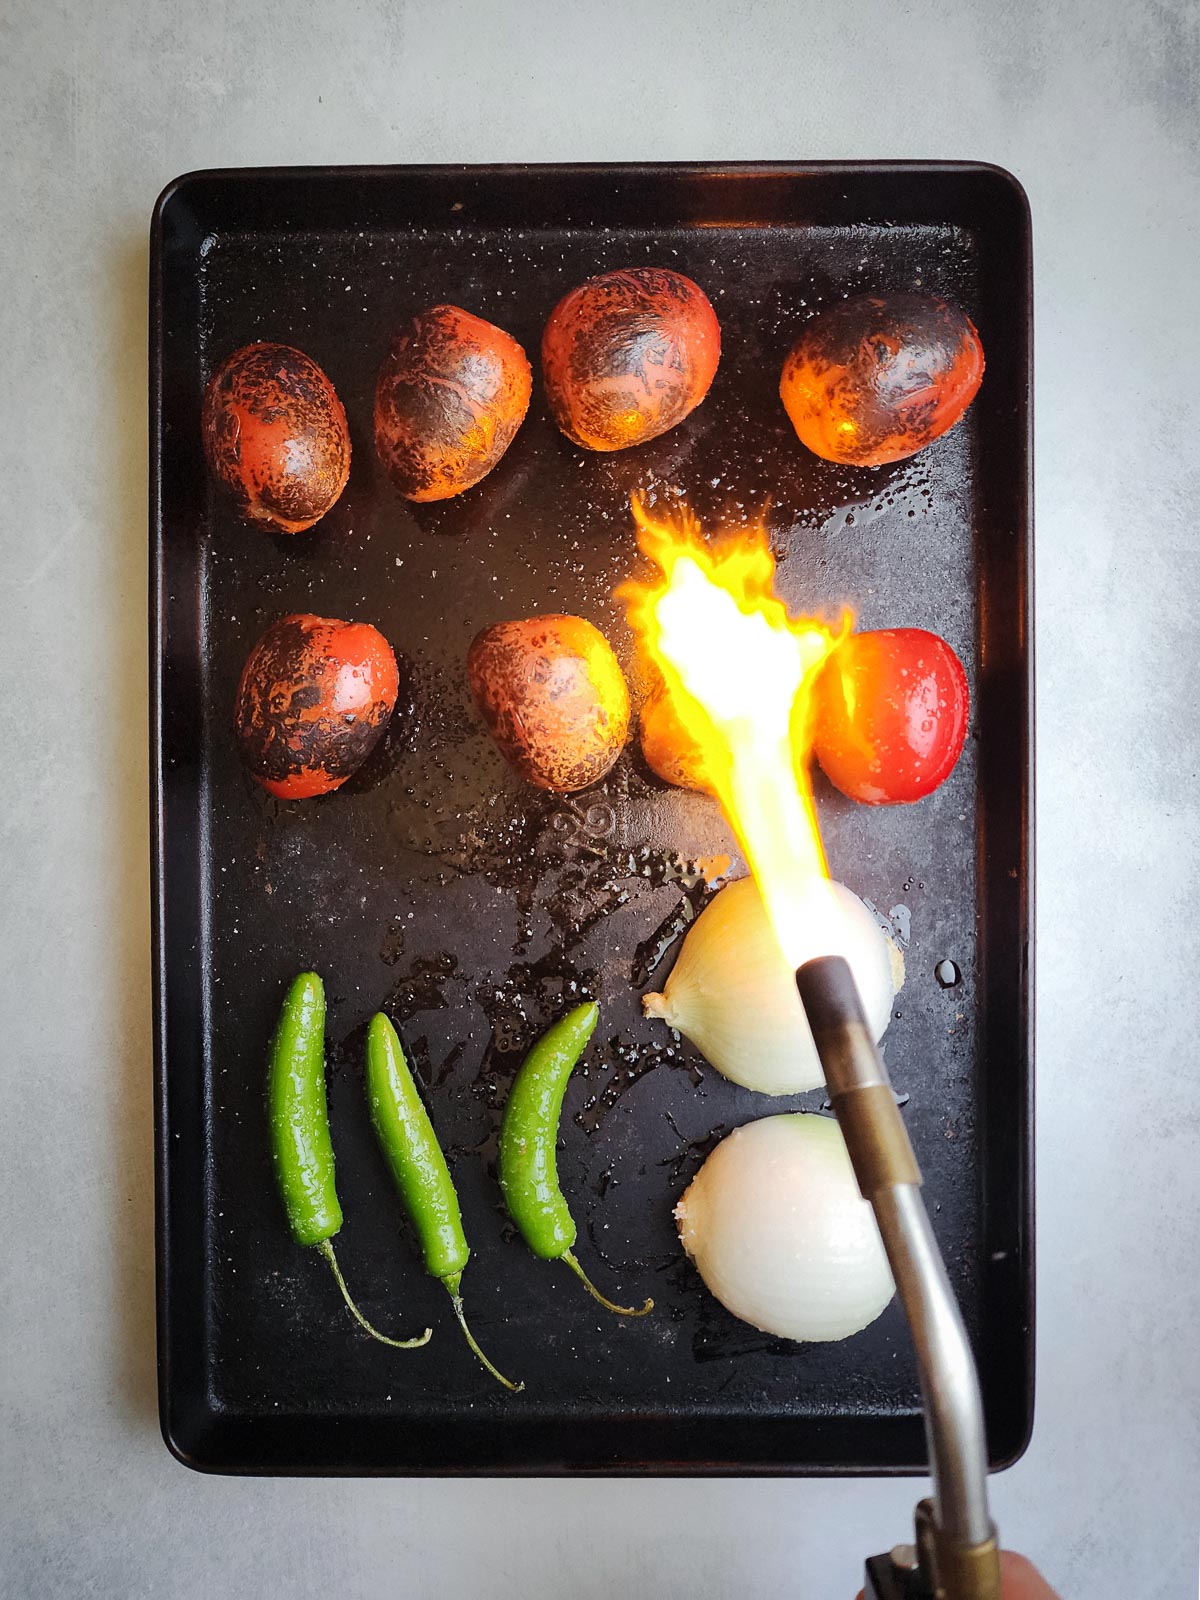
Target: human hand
{"points": [[1019, 1579]]}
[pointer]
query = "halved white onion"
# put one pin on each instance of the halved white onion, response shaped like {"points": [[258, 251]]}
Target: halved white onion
{"points": [[733, 994], [780, 1233]]}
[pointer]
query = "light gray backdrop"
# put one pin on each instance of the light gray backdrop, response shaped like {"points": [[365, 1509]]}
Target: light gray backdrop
{"points": [[1094, 105]]}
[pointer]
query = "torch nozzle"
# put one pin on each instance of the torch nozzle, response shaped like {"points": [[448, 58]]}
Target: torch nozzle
{"points": [[859, 1088]]}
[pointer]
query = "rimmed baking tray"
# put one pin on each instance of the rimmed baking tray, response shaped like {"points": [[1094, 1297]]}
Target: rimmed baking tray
{"points": [[439, 886]]}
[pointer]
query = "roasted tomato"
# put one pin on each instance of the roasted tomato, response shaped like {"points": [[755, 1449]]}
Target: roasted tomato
{"points": [[877, 379], [628, 355], [890, 715], [314, 697], [451, 395], [670, 751], [275, 435], [553, 696]]}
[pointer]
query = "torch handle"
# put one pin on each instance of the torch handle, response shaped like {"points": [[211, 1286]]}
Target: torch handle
{"points": [[955, 1537]]}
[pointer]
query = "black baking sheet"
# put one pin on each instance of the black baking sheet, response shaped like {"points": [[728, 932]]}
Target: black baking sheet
{"points": [[475, 910]]}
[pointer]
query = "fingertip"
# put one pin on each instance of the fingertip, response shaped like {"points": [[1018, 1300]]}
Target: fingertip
{"points": [[1021, 1580]]}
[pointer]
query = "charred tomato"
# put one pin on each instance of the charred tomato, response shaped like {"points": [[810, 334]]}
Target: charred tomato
{"points": [[877, 378], [314, 697], [275, 436], [452, 392], [670, 751], [891, 711], [627, 355], [553, 697]]}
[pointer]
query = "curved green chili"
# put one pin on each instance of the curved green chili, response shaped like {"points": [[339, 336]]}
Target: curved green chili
{"points": [[528, 1137], [415, 1157], [301, 1148]]}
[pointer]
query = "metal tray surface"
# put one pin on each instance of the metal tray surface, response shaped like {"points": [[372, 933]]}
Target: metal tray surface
{"points": [[436, 884]]}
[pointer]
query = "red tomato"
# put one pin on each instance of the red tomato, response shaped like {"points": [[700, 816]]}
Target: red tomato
{"points": [[275, 435], [890, 715], [314, 699], [628, 355], [452, 392], [875, 379]]}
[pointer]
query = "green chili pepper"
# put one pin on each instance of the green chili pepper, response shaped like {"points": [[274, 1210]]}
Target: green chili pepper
{"points": [[528, 1136], [411, 1148], [300, 1142]]}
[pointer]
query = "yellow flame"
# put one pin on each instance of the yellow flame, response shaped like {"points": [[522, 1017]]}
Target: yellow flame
{"points": [[739, 672]]}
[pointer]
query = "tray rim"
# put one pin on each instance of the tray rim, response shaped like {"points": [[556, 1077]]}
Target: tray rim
{"points": [[170, 1421]]}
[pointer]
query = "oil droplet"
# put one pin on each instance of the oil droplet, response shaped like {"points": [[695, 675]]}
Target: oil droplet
{"points": [[391, 946], [947, 974]]}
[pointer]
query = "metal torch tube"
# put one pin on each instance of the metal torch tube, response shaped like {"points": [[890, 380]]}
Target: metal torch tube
{"points": [[888, 1175], [949, 1385]]}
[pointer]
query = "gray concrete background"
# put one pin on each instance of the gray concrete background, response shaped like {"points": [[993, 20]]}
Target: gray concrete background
{"points": [[1095, 107]]}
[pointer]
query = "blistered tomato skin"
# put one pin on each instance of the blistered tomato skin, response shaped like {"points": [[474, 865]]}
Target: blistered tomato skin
{"points": [[875, 379], [626, 356], [452, 392], [314, 698], [553, 697], [670, 751], [891, 712], [275, 436]]}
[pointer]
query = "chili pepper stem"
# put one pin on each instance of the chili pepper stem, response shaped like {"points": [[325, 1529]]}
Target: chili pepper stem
{"points": [[456, 1301], [621, 1311], [326, 1249]]}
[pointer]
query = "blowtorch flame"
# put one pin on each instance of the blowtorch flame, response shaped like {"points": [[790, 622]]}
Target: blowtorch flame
{"points": [[740, 673]]}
